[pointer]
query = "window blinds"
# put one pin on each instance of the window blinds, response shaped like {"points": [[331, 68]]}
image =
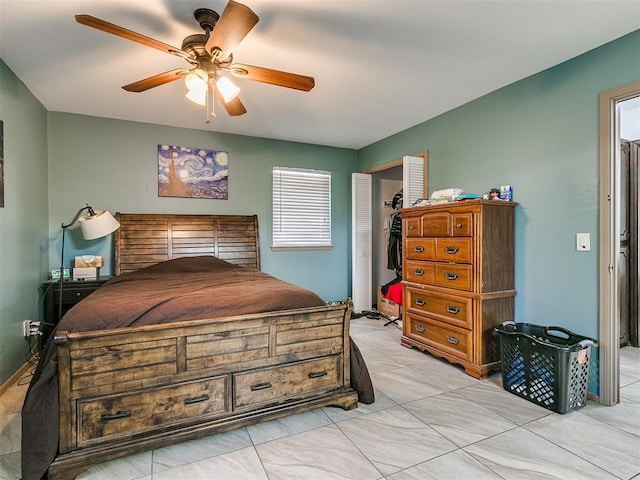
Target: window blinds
{"points": [[301, 207]]}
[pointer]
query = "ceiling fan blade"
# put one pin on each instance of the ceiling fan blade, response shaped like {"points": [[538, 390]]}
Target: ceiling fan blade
{"points": [[234, 107], [274, 77], [113, 29], [156, 80], [234, 24]]}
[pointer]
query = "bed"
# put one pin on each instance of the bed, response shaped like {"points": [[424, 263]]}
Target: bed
{"points": [[215, 344]]}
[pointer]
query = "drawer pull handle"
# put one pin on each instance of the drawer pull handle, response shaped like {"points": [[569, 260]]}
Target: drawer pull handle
{"points": [[453, 309], [115, 416], [459, 225], [451, 250], [412, 227], [78, 294], [191, 401], [420, 302], [420, 329], [317, 374], [260, 386], [453, 340], [418, 271], [451, 275], [418, 249]]}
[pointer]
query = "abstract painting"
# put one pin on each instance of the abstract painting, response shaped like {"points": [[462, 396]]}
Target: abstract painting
{"points": [[189, 172]]}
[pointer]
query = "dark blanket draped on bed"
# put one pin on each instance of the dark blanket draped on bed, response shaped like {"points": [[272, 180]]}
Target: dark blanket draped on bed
{"points": [[183, 289]]}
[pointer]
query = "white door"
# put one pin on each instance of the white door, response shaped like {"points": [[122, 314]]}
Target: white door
{"points": [[361, 241], [413, 187], [412, 180]]}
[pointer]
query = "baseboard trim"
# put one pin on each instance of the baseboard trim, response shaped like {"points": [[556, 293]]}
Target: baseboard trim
{"points": [[15, 377]]}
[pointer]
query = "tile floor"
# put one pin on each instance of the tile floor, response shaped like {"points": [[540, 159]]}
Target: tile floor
{"points": [[429, 421]]}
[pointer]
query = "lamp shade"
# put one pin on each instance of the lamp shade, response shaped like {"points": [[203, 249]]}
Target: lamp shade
{"points": [[97, 226]]}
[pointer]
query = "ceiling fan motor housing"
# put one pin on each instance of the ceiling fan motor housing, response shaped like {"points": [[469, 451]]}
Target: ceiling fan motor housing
{"points": [[207, 18]]}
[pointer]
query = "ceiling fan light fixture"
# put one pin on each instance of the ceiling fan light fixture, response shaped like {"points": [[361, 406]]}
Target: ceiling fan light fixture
{"points": [[196, 82], [227, 88], [197, 78], [197, 96]]}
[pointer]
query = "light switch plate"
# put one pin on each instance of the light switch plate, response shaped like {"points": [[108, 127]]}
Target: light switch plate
{"points": [[583, 242]]}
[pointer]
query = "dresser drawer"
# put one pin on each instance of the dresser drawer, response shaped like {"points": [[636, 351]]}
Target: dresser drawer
{"points": [[104, 418], [420, 249], [447, 308], [419, 272], [292, 380], [436, 224], [462, 224], [446, 338], [445, 224], [450, 275], [412, 227], [452, 249]]}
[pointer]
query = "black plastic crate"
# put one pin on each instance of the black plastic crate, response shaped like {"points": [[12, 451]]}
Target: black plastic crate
{"points": [[548, 366]]}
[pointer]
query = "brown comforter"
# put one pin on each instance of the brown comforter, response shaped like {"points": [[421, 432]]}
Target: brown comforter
{"points": [[183, 289]]}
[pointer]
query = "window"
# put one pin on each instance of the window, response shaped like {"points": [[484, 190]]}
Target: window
{"points": [[301, 208]]}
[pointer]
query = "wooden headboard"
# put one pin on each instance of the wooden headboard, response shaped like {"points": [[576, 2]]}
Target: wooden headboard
{"points": [[146, 239]]}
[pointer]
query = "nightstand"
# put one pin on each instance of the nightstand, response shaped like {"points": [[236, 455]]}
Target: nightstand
{"points": [[72, 293]]}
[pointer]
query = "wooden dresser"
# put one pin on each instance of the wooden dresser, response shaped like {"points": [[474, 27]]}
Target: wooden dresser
{"points": [[458, 279]]}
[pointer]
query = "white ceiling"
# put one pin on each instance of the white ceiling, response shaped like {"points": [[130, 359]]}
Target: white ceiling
{"points": [[380, 66]]}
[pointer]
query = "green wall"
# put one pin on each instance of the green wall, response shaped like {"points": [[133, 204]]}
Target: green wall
{"points": [[541, 136], [23, 220], [113, 164]]}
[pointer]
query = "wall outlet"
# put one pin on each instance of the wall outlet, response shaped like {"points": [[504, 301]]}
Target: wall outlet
{"points": [[31, 328]]}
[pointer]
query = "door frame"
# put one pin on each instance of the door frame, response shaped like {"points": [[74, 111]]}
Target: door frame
{"points": [[608, 318]]}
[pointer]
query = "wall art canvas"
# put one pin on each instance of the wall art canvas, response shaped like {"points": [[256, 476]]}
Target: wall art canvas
{"points": [[1, 163], [188, 172]]}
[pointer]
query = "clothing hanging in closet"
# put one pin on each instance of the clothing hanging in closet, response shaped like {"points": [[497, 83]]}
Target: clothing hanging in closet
{"points": [[394, 246]]}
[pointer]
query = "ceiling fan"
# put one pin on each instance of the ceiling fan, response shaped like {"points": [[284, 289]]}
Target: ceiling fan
{"points": [[208, 54]]}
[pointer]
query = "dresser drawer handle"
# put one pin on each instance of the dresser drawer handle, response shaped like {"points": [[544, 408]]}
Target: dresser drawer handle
{"points": [[260, 386], [115, 416], [453, 340], [418, 271], [420, 302], [451, 275], [412, 227], [453, 309], [418, 249], [451, 250], [78, 294], [317, 374], [459, 225], [420, 329], [191, 401]]}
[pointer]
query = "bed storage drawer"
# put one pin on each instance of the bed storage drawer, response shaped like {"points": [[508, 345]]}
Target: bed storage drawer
{"points": [[294, 380], [115, 416]]}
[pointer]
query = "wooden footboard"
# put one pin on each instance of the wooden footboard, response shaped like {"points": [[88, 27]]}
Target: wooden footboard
{"points": [[129, 390]]}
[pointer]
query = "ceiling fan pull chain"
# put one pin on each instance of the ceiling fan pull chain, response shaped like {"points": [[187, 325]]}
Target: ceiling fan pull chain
{"points": [[210, 100]]}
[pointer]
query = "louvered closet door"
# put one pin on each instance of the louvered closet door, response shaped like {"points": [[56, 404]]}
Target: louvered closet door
{"points": [[414, 185], [361, 241], [413, 180]]}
